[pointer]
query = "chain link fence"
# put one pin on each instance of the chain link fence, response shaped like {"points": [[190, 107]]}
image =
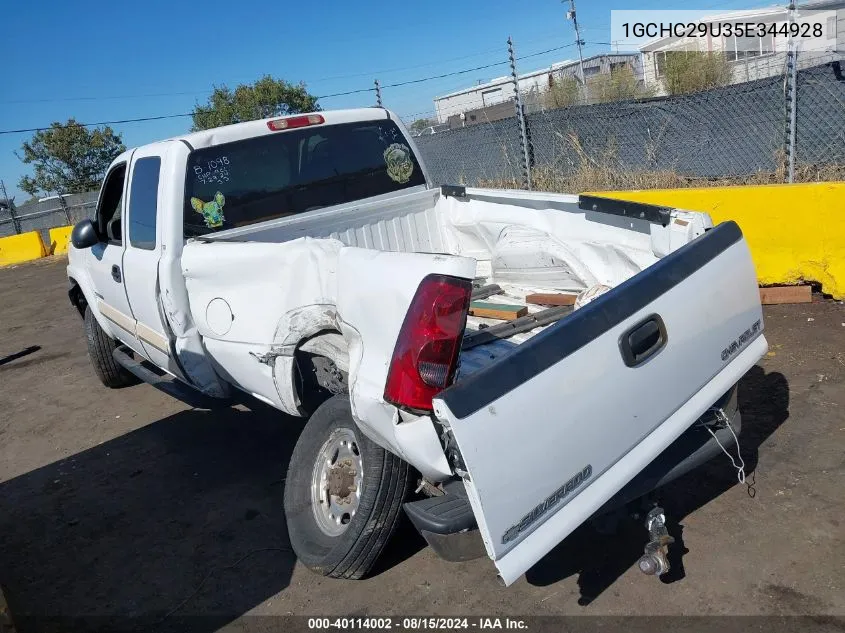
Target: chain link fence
{"points": [[820, 115], [46, 213], [590, 135], [731, 134]]}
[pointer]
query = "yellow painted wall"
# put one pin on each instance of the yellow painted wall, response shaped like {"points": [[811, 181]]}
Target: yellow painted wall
{"points": [[795, 232], [60, 238], [21, 248]]}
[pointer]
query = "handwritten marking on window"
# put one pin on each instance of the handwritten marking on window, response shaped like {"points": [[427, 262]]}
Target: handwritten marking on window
{"points": [[214, 171]]}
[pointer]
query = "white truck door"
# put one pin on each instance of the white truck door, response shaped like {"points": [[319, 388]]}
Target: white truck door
{"points": [[105, 260], [555, 428], [142, 254]]}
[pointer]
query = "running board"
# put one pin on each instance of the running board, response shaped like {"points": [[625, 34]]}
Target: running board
{"points": [[172, 388]]}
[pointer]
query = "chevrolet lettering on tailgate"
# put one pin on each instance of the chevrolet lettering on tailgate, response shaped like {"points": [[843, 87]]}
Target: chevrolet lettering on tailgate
{"points": [[551, 501]]}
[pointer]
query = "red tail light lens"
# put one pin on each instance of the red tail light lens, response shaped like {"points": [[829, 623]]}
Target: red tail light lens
{"points": [[426, 353], [277, 125]]}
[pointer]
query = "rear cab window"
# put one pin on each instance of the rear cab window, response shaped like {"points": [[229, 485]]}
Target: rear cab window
{"points": [[277, 175], [143, 203]]}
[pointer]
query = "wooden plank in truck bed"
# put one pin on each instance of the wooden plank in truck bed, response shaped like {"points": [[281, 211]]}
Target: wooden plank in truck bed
{"points": [[496, 310], [544, 299]]}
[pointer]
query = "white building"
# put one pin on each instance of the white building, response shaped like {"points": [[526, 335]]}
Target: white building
{"points": [[753, 57], [501, 89]]}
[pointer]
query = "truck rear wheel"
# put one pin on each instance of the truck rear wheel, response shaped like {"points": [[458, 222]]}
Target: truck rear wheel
{"points": [[343, 494], [100, 348]]}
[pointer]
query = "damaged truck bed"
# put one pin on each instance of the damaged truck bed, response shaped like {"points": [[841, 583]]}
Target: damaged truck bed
{"points": [[308, 261]]}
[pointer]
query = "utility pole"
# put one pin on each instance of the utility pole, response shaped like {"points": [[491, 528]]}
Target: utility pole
{"points": [[378, 94], [570, 15]]}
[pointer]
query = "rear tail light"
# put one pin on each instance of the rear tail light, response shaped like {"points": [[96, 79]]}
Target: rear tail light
{"points": [[426, 353], [288, 123]]}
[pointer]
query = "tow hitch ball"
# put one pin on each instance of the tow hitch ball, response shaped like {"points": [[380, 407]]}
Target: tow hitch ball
{"points": [[654, 561]]}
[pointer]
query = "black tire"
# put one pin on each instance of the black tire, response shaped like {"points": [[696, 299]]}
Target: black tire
{"points": [[100, 348], [385, 483]]}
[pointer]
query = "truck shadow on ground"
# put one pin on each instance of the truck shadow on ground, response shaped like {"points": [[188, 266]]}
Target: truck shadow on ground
{"points": [[182, 516], [600, 559]]}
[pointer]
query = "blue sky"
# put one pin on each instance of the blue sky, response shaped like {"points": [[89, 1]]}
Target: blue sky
{"points": [[98, 61]]}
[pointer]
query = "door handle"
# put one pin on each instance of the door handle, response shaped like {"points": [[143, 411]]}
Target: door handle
{"points": [[643, 341], [115, 273]]}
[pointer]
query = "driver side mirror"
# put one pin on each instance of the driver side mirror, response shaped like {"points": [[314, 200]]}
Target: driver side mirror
{"points": [[84, 234]]}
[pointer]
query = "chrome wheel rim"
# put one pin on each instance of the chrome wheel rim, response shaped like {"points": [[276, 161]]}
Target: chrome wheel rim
{"points": [[336, 482]]}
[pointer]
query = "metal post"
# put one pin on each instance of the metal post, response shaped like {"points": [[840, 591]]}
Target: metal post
{"points": [[11, 206], [378, 95], [520, 115], [791, 96], [65, 208]]}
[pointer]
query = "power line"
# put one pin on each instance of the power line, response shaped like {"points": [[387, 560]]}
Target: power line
{"points": [[138, 120], [107, 98], [396, 70], [471, 70], [328, 96], [443, 76], [199, 92], [162, 117]]}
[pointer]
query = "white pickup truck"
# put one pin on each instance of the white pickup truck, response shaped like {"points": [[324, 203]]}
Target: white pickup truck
{"points": [[308, 261]]}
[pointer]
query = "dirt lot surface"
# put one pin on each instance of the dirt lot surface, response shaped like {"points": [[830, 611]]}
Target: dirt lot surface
{"points": [[126, 502]]}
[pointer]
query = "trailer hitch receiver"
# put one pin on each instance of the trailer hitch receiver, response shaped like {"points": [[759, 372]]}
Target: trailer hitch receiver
{"points": [[654, 561]]}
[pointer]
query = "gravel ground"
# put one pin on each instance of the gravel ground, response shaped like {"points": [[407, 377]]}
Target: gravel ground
{"points": [[127, 503]]}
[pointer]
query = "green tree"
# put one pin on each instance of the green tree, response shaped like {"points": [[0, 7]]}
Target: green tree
{"points": [[265, 98], [68, 158], [562, 93], [420, 124], [694, 71], [621, 84]]}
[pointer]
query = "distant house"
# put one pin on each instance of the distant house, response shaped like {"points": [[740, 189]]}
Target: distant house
{"points": [[492, 100], [752, 57]]}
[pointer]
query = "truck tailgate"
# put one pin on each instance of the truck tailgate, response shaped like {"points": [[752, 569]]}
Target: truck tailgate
{"points": [[555, 428]]}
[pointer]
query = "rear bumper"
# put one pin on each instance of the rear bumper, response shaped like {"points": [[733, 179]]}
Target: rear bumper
{"points": [[692, 449], [449, 526]]}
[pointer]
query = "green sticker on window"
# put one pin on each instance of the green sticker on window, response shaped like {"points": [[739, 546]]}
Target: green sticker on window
{"points": [[212, 212], [397, 157]]}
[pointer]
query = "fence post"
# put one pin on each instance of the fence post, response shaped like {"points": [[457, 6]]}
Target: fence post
{"points": [[11, 205], [65, 208], [378, 94], [520, 115], [791, 96]]}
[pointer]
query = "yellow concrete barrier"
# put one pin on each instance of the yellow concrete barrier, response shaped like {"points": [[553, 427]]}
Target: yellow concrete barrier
{"points": [[21, 248], [795, 232], [60, 239]]}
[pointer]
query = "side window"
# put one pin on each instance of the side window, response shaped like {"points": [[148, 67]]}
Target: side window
{"points": [[111, 205], [143, 203]]}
